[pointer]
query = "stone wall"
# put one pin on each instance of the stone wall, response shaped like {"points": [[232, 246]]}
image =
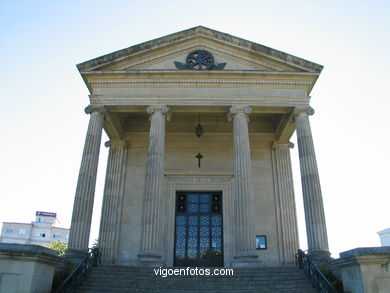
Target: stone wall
{"points": [[26, 268], [182, 173], [365, 270]]}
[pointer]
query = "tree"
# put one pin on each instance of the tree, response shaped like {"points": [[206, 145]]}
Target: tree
{"points": [[59, 246]]}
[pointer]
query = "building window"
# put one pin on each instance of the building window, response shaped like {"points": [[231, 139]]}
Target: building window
{"points": [[57, 235], [40, 234], [22, 231], [9, 230], [261, 242], [40, 219]]}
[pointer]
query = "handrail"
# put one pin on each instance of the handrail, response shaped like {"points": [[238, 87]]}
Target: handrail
{"points": [[80, 272], [310, 269]]}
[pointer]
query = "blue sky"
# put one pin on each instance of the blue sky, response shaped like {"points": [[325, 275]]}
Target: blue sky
{"points": [[43, 96]]}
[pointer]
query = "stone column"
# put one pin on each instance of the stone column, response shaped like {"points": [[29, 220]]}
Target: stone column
{"points": [[85, 191], [312, 197], [243, 188], [112, 199], [151, 240], [285, 202]]}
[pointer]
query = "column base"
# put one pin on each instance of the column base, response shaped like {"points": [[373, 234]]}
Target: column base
{"points": [[148, 259], [319, 254], [108, 260], [76, 255], [242, 260], [321, 258]]}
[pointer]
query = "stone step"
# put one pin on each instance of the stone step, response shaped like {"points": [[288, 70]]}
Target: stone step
{"points": [[87, 289], [121, 279], [97, 279], [176, 290], [203, 286]]}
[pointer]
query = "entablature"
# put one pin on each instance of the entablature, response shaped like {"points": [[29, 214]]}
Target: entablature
{"points": [[173, 79], [126, 121]]}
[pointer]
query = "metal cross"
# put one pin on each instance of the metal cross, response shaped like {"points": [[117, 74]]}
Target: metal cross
{"points": [[199, 157]]}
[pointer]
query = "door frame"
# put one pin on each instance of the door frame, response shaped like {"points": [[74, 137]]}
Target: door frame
{"points": [[221, 182], [210, 214]]}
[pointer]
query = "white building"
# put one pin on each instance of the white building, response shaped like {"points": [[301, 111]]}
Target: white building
{"points": [[384, 235], [40, 232]]}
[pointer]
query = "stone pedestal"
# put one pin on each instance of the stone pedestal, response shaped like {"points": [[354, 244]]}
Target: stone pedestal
{"points": [[27, 268], [317, 237], [245, 251], [151, 240], [285, 202], [365, 270], [112, 200], [85, 191]]}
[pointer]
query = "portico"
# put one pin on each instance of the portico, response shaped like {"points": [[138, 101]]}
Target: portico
{"points": [[249, 100]]}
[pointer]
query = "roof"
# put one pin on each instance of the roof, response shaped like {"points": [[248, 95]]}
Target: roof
{"points": [[96, 63], [385, 231]]}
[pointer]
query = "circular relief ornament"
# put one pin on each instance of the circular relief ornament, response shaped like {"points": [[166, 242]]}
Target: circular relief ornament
{"points": [[200, 60]]}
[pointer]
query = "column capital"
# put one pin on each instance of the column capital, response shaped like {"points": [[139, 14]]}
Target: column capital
{"points": [[93, 108], [157, 108], [278, 144], [116, 143], [303, 110], [235, 109], [163, 109]]}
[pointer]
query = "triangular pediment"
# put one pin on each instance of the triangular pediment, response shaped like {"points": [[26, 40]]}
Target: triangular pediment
{"points": [[229, 53], [175, 57]]}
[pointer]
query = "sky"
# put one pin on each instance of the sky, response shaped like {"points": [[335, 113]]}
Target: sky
{"points": [[42, 95]]}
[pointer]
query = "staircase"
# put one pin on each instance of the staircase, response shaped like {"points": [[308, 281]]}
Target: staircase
{"points": [[110, 278]]}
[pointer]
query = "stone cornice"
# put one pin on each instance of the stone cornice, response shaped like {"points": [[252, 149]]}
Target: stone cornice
{"points": [[196, 100], [380, 260], [198, 81], [28, 253], [200, 31], [148, 73]]}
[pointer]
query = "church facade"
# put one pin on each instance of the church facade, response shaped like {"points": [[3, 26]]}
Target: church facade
{"points": [[199, 170]]}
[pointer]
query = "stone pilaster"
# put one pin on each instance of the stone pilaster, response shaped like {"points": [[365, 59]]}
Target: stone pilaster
{"points": [[112, 199], [285, 202], [85, 191], [312, 197], [151, 239], [243, 188]]}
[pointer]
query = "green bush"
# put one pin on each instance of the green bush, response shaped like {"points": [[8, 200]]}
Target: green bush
{"points": [[337, 284], [60, 247]]}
